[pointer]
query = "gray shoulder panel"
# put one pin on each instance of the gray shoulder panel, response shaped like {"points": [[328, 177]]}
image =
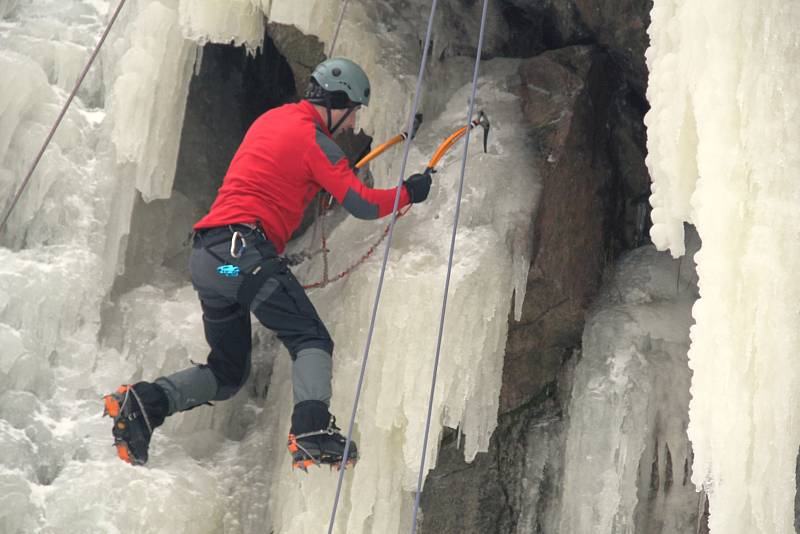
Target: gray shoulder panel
{"points": [[329, 147], [359, 207]]}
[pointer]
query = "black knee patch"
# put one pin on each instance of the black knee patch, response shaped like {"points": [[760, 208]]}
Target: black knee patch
{"points": [[229, 336]]}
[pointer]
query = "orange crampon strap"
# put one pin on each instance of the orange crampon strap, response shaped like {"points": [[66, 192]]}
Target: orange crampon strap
{"points": [[112, 405], [309, 460], [304, 463], [113, 408]]}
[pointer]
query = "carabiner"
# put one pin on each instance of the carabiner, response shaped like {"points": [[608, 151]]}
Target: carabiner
{"points": [[237, 253]]}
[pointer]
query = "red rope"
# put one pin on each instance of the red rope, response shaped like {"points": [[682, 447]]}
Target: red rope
{"points": [[326, 279], [322, 212]]}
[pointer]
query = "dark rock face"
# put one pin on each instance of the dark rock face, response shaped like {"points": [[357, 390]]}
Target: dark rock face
{"points": [[515, 486], [568, 97], [582, 90], [618, 26], [590, 147], [621, 26], [565, 97]]}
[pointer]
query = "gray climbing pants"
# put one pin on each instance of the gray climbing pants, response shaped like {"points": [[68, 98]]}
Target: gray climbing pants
{"points": [[277, 300]]}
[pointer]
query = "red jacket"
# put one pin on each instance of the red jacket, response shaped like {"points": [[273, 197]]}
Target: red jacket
{"points": [[285, 158]]}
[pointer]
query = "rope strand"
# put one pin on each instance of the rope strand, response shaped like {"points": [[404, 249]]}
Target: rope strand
{"points": [[406, 149], [61, 115], [338, 26], [449, 269]]}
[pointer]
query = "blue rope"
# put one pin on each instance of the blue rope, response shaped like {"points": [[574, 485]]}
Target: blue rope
{"points": [[449, 269], [406, 149]]}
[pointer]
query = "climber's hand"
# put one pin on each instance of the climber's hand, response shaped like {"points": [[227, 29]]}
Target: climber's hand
{"points": [[418, 186]]}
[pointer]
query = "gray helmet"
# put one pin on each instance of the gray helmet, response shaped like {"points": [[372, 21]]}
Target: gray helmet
{"points": [[341, 75]]}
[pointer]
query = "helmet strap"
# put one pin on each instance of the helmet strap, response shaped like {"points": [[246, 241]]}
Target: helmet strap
{"points": [[347, 113], [328, 106], [329, 113]]}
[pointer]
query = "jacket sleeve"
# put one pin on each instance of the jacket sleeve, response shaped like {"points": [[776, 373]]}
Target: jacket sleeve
{"points": [[329, 168]]}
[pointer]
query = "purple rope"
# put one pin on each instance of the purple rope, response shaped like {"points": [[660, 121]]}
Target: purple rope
{"points": [[338, 26], [449, 270], [406, 149], [61, 115]]}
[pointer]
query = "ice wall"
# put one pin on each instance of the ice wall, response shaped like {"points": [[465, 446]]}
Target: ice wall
{"points": [[626, 461], [65, 240], [723, 143], [226, 469]]}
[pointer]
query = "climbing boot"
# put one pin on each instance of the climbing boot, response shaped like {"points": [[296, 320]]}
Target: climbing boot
{"points": [[137, 410], [316, 440]]}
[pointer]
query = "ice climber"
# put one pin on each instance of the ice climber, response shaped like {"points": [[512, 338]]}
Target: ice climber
{"points": [[286, 157]]}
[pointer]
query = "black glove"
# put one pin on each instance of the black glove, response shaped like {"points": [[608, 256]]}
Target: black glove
{"points": [[418, 186]]}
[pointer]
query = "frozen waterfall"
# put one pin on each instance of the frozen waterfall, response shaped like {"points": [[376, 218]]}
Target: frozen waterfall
{"points": [[65, 342], [723, 155]]}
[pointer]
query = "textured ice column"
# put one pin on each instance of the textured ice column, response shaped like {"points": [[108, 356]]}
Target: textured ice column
{"points": [[312, 17], [672, 128], [54, 449], [626, 443], [49, 290], [147, 67], [7, 7], [734, 64], [151, 65], [32, 95], [18, 105], [239, 22]]}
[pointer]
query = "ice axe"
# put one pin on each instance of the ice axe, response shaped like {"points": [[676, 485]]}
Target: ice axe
{"points": [[391, 142], [366, 155], [482, 120]]}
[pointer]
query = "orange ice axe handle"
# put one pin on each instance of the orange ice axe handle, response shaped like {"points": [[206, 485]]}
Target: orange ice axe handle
{"points": [[482, 120], [391, 142]]}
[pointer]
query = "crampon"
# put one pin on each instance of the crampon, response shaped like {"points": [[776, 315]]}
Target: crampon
{"points": [[322, 447], [132, 428]]}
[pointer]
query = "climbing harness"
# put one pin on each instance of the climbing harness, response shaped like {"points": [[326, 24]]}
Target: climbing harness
{"points": [[257, 275], [61, 115], [227, 269], [468, 129], [406, 149]]}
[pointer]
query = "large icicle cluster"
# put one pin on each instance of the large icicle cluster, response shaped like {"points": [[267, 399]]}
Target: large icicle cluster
{"points": [[226, 469], [626, 461], [67, 238], [723, 143]]}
